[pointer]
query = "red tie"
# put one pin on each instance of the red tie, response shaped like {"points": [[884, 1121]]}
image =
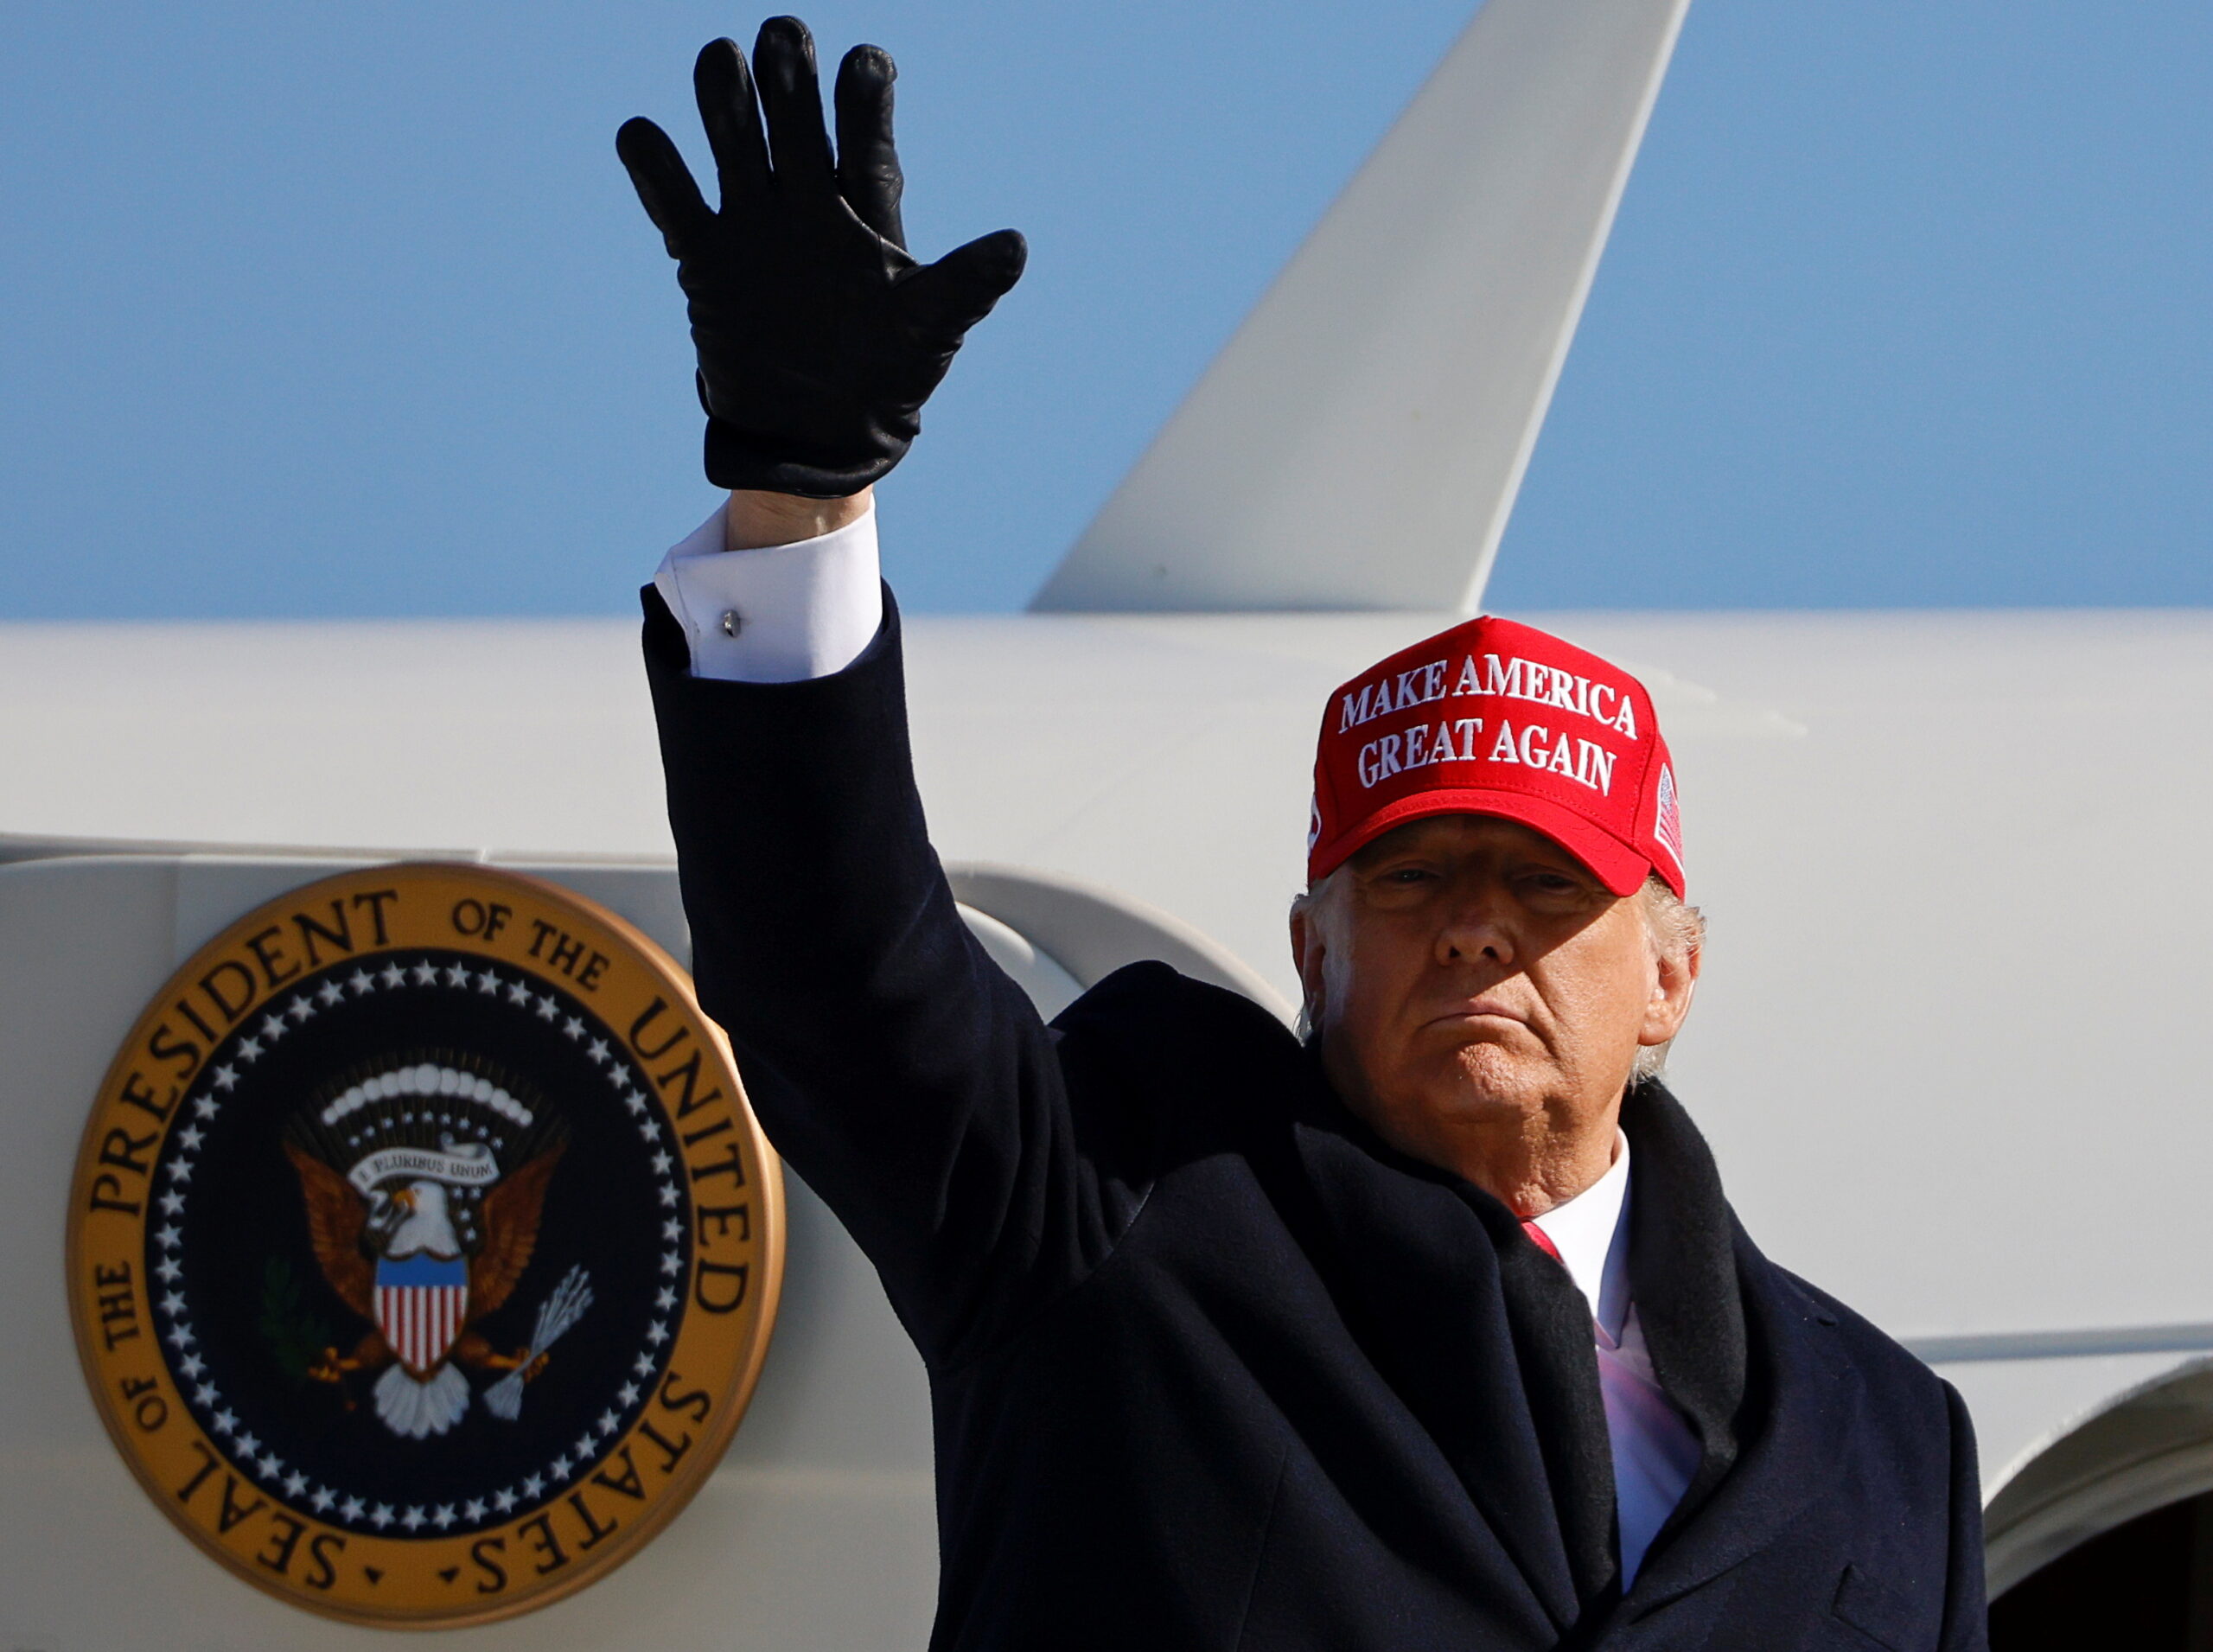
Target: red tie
{"points": [[1543, 1241]]}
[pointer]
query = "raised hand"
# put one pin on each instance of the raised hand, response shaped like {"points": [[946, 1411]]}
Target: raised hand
{"points": [[819, 338]]}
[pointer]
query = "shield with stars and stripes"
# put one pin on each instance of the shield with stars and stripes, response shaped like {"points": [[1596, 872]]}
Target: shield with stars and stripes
{"points": [[421, 1305]]}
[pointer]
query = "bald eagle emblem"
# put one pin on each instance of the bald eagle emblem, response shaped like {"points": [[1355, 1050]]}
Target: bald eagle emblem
{"points": [[424, 1183]]}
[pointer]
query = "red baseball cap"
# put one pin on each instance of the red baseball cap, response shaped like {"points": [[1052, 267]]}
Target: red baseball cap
{"points": [[1493, 718]]}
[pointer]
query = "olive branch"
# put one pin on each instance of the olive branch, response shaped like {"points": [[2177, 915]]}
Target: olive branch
{"points": [[295, 1337]]}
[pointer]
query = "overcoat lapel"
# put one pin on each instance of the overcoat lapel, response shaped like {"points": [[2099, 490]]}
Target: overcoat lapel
{"points": [[1487, 1341], [1551, 1322], [1683, 1278], [1735, 1346], [1804, 1400]]}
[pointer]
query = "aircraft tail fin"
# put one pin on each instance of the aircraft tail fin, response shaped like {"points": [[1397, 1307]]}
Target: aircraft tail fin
{"points": [[1359, 442]]}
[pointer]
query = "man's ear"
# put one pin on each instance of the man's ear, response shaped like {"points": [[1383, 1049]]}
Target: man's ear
{"points": [[1307, 952], [1675, 982]]}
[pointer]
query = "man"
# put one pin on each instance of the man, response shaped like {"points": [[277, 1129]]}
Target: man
{"points": [[1432, 1329]]}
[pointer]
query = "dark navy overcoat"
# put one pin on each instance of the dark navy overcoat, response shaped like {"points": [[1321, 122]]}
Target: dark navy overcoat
{"points": [[1211, 1366]]}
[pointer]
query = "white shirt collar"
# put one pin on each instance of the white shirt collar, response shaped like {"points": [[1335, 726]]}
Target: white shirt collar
{"points": [[1591, 1232]]}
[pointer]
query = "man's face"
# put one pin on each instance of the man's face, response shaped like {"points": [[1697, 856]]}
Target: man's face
{"points": [[1482, 997]]}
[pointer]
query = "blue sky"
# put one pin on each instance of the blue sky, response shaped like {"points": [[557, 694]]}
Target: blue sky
{"points": [[313, 310]]}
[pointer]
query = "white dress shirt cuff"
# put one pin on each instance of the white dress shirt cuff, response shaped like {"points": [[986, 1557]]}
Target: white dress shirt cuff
{"points": [[781, 614]]}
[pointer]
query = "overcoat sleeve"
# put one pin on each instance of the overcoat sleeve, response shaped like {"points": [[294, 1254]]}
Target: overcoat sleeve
{"points": [[896, 1068]]}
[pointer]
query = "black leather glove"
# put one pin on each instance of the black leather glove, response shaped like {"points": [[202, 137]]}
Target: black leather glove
{"points": [[818, 337]]}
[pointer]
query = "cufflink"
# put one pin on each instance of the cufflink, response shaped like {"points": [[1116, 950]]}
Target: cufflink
{"points": [[732, 624]]}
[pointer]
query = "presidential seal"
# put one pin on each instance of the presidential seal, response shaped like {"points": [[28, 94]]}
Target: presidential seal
{"points": [[423, 1250]]}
